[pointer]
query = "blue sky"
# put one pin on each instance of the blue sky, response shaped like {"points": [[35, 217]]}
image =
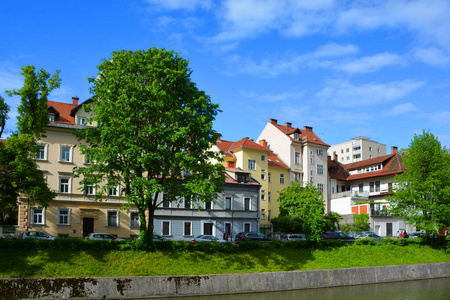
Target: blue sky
{"points": [[347, 68]]}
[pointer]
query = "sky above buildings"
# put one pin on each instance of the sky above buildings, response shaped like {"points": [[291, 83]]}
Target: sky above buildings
{"points": [[379, 69]]}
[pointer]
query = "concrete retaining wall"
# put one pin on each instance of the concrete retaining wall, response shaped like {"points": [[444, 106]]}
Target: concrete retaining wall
{"points": [[163, 286]]}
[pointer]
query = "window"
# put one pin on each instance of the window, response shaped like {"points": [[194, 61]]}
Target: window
{"points": [[268, 215], [342, 159], [242, 178], [320, 187], [51, 117], [377, 186], [263, 216], [38, 215], [41, 153], [165, 227], [247, 204], [247, 227], [228, 203], [66, 154], [347, 150], [88, 159], [64, 185], [372, 187], [319, 169], [263, 176], [208, 228], [165, 202], [208, 205], [268, 196], [296, 177], [342, 151], [113, 191], [134, 219], [319, 151], [361, 187], [311, 160], [268, 177], [370, 149], [263, 197], [281, 178], [297, 157], [251, 164], [378, 150], [187, 202], [63, 216], [81, 121], [296, 136], [112, 218], [89, 189], [187, 228], [263, 157], [348, 157]]}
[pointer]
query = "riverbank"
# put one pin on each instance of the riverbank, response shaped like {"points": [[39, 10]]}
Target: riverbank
{"points": [[171, 286]]}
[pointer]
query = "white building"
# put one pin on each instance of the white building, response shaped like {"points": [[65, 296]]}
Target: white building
{"points": [[358, 149]]}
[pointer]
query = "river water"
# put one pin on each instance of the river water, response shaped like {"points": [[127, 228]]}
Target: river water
{"points": [[435, 289]]}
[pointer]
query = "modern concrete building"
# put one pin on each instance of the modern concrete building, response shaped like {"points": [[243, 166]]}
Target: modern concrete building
{"points": [[304, 153], [358, 149], [362, 188]]}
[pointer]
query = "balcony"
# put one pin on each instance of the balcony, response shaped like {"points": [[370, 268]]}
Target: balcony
{"points": [[357, 196], [380, 213]]}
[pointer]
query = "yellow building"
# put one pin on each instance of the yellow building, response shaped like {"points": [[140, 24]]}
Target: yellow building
{"points": [[265, 167]]}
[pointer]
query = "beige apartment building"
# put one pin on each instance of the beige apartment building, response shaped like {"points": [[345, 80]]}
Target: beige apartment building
{"points": [[358, 149]]}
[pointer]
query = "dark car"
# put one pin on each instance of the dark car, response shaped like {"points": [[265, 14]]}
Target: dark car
{"points": [[335, 235], [251, 236]]}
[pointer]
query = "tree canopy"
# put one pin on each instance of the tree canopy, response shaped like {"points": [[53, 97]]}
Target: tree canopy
{"points": [[4, 109], [153, 133], [422, 193], [306, 202]]}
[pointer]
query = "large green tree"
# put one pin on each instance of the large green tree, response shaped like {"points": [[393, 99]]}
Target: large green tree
{"points": [[19, 173], [153, 133], [304, 201], [422, 193]]}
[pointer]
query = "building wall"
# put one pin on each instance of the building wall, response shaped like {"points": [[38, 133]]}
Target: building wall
{"points": [[277, 141], [347, 154]]}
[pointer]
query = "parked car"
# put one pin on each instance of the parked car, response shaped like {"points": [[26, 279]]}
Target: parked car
{"points": [[39, 235], [296, 237], [336, 235], [416, 235], [376, 238], [158, 238], [103, 237], [207, 238], [251, 236]]}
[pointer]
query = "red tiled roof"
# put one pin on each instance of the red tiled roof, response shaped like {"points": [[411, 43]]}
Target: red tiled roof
{"points": [[392, 164], [225, 146], [62, 111], [249, 144], [229, 179], [275, 161], [310, 136]]}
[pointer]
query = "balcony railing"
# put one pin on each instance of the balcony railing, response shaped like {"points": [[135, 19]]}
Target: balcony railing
{"points": [[361, 196], [381, 213]]}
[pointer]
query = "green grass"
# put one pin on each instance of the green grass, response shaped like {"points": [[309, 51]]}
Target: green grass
{"points": [[98, 263]]}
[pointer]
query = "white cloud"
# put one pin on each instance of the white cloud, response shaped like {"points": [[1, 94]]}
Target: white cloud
{"points": [[282, 97], [440, 117], [369, 64], [335, 50], [182, 4], [344, 94], [432, 56], [401, 109]]}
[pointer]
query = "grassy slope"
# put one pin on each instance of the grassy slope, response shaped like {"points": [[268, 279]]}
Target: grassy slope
{"points": [[57, 263]]}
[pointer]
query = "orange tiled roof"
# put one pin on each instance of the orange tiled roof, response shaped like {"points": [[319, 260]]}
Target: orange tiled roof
{"points": [[229, 179], [65, 112], [310, 136], [275, 161], [249, 144]]}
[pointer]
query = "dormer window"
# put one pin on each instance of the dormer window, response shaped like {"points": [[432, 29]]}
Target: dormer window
{"points": [[81, 121], [51, 117], [296, 136]]}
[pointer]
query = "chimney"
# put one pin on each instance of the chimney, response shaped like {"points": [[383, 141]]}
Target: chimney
{"points": [[307, 128], [335, 157], [263, 143], [394, 150], [75, 100], [288, 125], [274, 121], [219, 137], [230, 164]]}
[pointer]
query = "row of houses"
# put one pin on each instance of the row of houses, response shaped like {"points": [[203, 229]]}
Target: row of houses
{"points": [[256, 171]]}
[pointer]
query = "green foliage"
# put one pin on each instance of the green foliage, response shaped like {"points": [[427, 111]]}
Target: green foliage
{"points": [[154, 133], [306, 203], [287, 224], [331, 220], [4, 109], [33, 113], [422, 192]]}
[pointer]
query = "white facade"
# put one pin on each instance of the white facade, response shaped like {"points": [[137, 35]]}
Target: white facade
{"points": [[359, 148]]}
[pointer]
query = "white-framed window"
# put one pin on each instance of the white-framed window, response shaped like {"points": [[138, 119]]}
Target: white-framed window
{"points": [[63, 216], [247, 227], [296, 136], [66, 154], [51, 117], [209, 205], [112, 218], [88, 159], [135, 222], [296, 177], [342, 151], [361, 187], [187, 228], [113, 191], [377, 186], [81, 121], [263, 158], [41, 153], [38, 215], [89, 189], [281, 178], [247, 204], [166, 228], [251, 164], [319, 151], [263, 197], [320, 187], [319, 169], [227, 203], [263, 216], [347, 150], [348, 157], [263, 176], [65, 185], [297, 157]]}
